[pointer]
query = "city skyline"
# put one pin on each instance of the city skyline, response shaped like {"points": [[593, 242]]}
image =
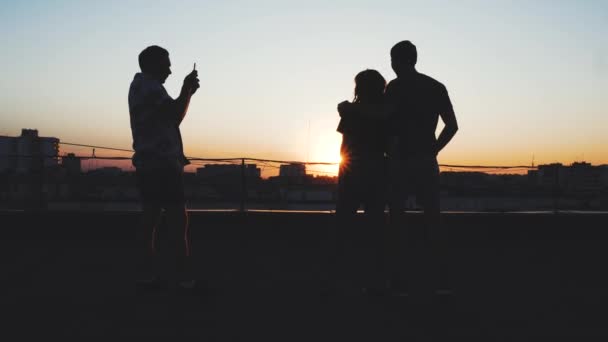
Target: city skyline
{"points": [[526, 80], [36, 174], [97, 157], [31, 177], [19, 153]]}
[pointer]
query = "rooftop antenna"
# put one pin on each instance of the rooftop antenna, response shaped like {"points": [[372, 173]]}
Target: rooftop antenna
{"points": [[308, 144], [532, 159]]}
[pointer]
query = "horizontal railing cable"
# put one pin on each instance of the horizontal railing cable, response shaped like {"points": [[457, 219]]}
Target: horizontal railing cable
{"points": [[264, 162]]}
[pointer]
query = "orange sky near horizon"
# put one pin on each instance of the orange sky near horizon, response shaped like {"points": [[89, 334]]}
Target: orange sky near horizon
{"points": [[332, 155]]}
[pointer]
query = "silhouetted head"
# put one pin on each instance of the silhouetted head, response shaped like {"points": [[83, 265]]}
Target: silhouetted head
{"points": [[404, 57], [369, 86], [154, 61]]}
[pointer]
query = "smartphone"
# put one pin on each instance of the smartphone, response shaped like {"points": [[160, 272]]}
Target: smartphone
{"points": [[194, 68]]}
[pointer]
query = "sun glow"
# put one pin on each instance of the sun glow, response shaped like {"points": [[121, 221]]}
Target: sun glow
{"points": [[326, 150]]}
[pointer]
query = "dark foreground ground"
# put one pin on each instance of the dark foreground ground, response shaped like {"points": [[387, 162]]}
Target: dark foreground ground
{"points": [[516, 277]]}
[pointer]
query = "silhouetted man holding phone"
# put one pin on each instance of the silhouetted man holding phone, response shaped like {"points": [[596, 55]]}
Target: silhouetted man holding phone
{"points": [[159, 161]]}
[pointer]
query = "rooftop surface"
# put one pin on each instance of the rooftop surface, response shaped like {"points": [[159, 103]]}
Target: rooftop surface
{"points": [[514, 276]]}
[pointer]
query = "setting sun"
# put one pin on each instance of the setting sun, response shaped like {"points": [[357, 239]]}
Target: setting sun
{"points": [[326, 150]]}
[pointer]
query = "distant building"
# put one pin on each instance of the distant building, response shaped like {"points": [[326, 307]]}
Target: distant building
{"points": [[107, 171], [551, 175], [461, 183], [8, 152], [532, 177], [49, 148], [324, 180], [584, 178], [227, 173], [71, 164], [28, 152], [469, 179], [293, 170], [604, 175], [579, 178]]}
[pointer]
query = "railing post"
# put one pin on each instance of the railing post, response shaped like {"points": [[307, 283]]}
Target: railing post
{"points": [[243, 185], [556, 190], [36, 181]]}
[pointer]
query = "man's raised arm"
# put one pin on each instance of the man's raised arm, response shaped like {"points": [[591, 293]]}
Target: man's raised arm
{"points": [[179, 107]]}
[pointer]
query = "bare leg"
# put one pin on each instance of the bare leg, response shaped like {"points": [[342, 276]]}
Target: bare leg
{"points": [[437, 236], [374, 242], [394, 231], [341, 239], [147, 235], [433, 271], [438, 244], [180, 243]]}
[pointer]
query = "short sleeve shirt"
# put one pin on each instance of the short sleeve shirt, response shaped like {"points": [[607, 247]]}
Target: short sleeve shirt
{"points": [[418, 101], [156, 137]]}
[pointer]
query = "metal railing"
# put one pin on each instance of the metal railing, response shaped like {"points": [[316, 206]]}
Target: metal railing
{"points": [[243, 188]]}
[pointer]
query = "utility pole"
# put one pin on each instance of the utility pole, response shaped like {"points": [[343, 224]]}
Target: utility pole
{"points": [[243, 186]]}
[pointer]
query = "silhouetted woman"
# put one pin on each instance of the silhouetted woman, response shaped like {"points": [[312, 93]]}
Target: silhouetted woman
{"points": [[362, 174], [362, 180]]}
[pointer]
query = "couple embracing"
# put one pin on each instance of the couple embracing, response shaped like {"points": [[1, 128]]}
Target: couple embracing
{"points": [[389, 150]]}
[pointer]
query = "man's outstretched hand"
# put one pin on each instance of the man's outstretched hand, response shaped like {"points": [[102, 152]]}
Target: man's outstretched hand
{"points": [[191, 82]]}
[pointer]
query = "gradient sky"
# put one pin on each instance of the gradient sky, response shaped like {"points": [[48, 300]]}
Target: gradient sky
{"points": [[525, 77]]}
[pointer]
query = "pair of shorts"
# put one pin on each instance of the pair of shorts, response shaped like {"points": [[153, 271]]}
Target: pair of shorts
{"points": [[416, 175], [161, 186], [362, 183]]}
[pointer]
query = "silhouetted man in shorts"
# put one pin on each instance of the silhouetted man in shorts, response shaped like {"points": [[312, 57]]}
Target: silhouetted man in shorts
{"points": [[159, 161], [418, 101]]}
